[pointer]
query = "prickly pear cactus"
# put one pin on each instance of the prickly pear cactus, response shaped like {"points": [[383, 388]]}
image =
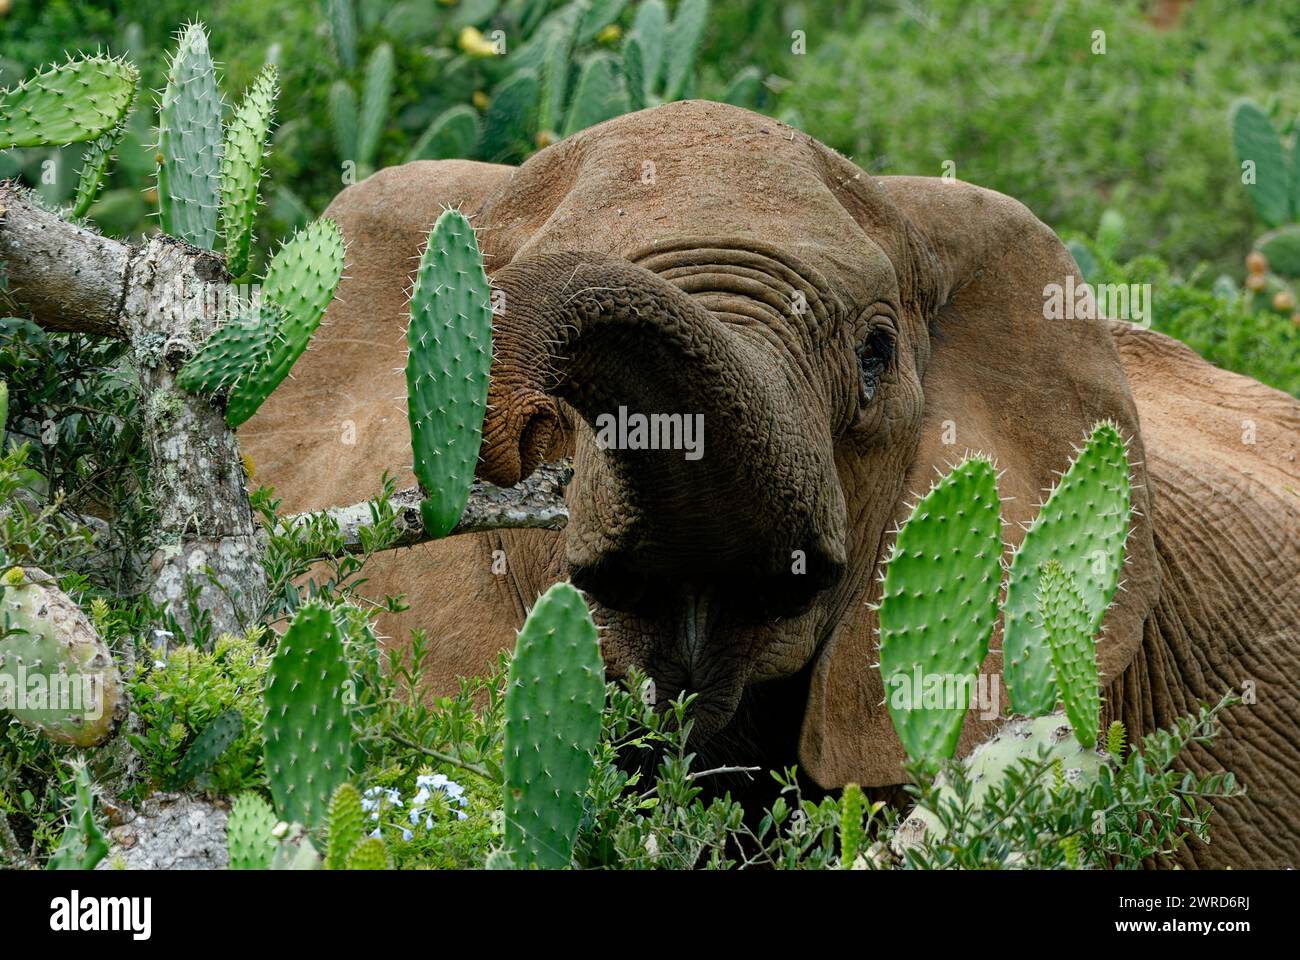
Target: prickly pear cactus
{"points": [[294, 849], [1258, 144], [1074, 651], [554, 697], [346, 827], [67, 103], [375, 95], [937, 609], [55, 651], [1083, 527], [450, 354], [190, 144], [250, 833], [1282, 248], [237, 349], [94, 168], [4, 413], [598, 95], [209, 745], [241, 167], [300, 282], [1047, 738], [499, 859], [687, 32], [343, 119], [512, 117], [453, 133], [650, 27], [308, 729], [853, 806], [369, 854]]}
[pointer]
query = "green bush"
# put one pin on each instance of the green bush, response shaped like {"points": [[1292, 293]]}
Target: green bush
{"points": [[1011, 92]]}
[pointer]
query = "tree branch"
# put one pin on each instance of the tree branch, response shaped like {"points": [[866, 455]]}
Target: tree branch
{"points": [[164, 298], [66, 277], [536, 503]]}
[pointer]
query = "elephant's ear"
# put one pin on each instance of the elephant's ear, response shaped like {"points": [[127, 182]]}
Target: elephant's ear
{"points": [[1004, 380]]}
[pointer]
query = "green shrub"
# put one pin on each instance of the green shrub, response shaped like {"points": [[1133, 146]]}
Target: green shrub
{"points": [[1011, 92]]}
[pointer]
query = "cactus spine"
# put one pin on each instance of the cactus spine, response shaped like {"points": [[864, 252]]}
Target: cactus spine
{"points": [[1074, 651], [241, 167], [938, 605], [300, 284], [1082, 526], [554, 697], [250, 833], [67, 103], [50, 653], [308, 729], [450, 353]]}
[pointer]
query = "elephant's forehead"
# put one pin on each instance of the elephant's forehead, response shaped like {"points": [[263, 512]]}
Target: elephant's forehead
{"points": [[693, 169]]}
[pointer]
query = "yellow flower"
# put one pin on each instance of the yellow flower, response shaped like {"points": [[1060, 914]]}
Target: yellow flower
{"points": [[480, 100], [610, 34], [249, 467], [475, 44]]}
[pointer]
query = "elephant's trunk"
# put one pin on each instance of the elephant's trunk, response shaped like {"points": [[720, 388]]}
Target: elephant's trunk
{"points": [[601, 334]]}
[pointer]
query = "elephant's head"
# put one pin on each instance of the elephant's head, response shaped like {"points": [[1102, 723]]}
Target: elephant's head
{"points": [[839, 337]]}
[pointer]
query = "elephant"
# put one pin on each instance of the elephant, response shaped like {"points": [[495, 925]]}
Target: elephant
{"points": [[843, 337]]}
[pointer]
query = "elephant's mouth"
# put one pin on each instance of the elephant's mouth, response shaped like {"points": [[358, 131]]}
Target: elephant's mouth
{"points": [[708, 638]]}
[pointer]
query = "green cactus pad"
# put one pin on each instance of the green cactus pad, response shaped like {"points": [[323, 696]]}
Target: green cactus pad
{"points": [[938, 606], [369, 854], [1257, 141], [1048, 740], [450, 354], [94, 167], [555, 693], [1074, 651], [295, 851], [375, 95], [650, 27], [308, 730], [68, 103], [4, 419], [343, 119], [634, 72], [1282, 249], [853, 806], [207, 748], [190, 144], [511, 119], [343, 31], [687, 32], [234, 351], [1083, 527], [300, 281], [56, 675], [598, 95], [499, 859], [241, 167], [453, 134], [347, 822], [745, 89], [556, 64], [250, 833], [598, 15]]}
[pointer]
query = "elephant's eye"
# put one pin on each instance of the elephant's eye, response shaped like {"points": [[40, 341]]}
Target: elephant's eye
{"points": [[874, 355]]}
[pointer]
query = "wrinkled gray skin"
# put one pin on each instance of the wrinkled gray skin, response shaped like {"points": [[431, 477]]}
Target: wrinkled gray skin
{"points": [[843, 337]]}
